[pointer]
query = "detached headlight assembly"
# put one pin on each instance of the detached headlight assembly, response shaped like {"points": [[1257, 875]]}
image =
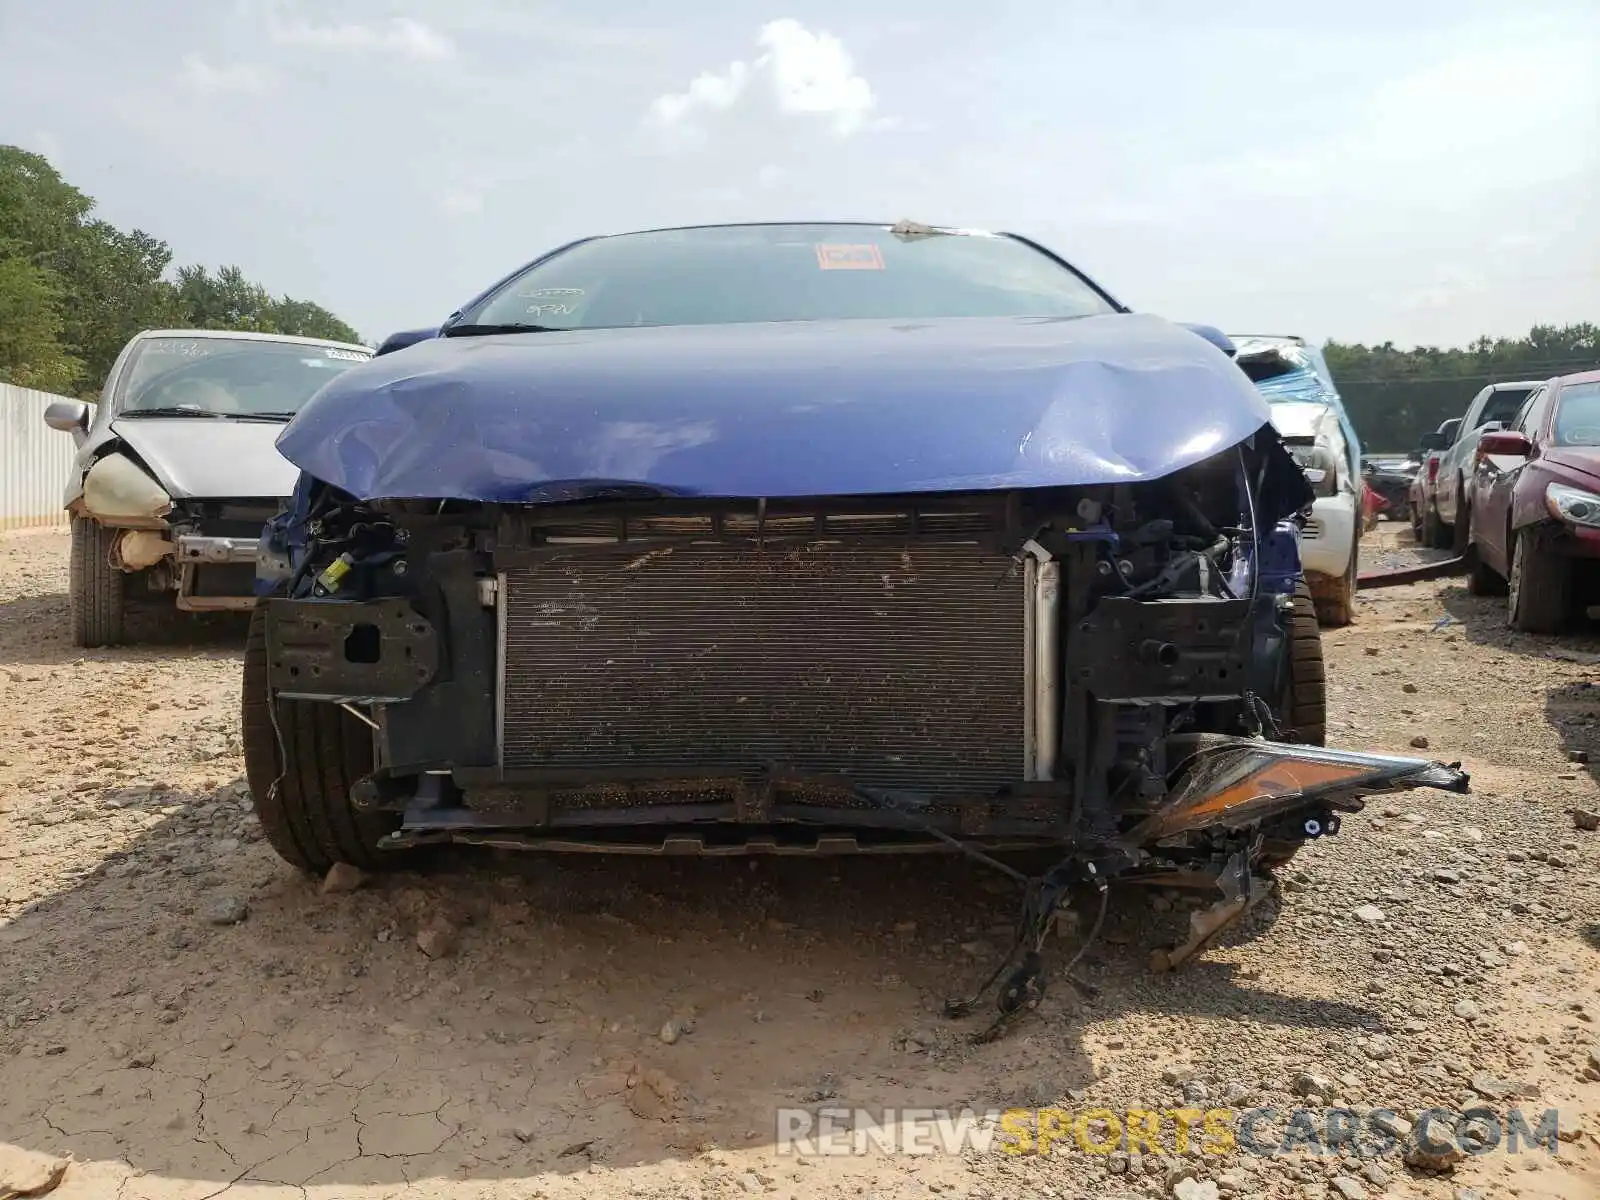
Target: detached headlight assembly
{"points": [[118, 489], [1573, 505]]}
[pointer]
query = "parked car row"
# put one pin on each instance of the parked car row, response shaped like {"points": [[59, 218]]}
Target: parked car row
{"points": [[789, 538], [1532, 505], [1446, 498], [1512, 485]]}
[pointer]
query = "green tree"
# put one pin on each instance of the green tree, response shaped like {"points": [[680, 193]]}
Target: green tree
{"points": [[305, 319], [117, 289], [227, 300], [30, 328], [74, 289]]}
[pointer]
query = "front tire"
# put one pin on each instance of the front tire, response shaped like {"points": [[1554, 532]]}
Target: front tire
{"points": [[96, 588], [301, 770], [1482, 581], [1336, 604], [1305, 703], [1540, 585]]}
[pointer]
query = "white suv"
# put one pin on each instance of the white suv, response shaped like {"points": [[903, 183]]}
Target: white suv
{"points": [[1330, 540], [1309, 416]]}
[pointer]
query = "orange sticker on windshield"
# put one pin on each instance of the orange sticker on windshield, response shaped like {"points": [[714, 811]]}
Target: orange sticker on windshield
{"points": [[849, 258]]}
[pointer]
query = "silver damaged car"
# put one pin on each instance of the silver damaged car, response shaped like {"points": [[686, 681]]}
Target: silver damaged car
{"points": [[176, 469]]}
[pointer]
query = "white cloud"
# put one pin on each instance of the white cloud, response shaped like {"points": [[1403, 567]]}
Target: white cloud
{"points": [[812, 73], [237, 77], [800, 72], [705, 91], [403, 37]]}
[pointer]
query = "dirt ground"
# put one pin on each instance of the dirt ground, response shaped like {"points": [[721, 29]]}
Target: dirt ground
{"points": [[181, 1015]]}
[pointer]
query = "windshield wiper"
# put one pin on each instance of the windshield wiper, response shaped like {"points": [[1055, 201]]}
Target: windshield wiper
{"points": [[173, 411], [207, 413], [513, 327]]}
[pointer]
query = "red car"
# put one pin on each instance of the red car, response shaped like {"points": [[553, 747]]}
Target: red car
{"points": [[1535, 530]]}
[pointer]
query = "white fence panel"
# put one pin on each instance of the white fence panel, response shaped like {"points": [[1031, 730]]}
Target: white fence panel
{"points": [[35, 460]]}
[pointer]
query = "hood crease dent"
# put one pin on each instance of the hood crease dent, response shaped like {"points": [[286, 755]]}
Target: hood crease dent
{"points": [[835, 408]]}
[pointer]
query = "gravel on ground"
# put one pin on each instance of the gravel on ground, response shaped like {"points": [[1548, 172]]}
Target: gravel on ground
{"points": [[182, 1016]]}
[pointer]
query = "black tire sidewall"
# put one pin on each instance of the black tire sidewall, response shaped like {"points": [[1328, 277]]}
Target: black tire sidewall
{"points": [[303, 803], [96, 589], [1305, 692], [1538, 591]]}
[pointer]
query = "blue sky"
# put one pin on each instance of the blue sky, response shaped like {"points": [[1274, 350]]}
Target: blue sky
{"points": [[1414, 171]]}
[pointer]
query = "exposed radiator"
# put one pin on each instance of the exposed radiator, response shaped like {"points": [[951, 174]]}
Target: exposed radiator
{"points": [[900, 666]]}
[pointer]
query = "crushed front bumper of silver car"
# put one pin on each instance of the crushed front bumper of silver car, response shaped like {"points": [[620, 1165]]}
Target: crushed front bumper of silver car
{"points": [[216, 574]]}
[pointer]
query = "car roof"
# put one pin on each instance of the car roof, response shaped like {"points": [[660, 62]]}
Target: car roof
{"points": [[1580, 377], [248, 335], [1507, 385]]}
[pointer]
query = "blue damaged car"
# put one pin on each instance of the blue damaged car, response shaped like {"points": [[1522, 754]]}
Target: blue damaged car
{"points": [[799, 538]]}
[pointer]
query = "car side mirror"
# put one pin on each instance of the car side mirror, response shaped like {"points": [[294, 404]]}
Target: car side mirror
{"points": [[1507, 442], [406, 337], [67, 416]]}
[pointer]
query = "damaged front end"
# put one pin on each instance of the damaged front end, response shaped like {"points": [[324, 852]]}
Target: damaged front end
{"points": [[199, 552], [1098, 671], [849, 587]]}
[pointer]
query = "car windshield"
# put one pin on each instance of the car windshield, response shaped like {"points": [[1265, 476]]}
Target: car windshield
{"points": [[229, 376], [1578, 415], [735, 274], [1503, 406]]}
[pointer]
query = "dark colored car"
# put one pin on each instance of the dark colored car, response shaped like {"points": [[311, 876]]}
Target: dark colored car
{"points": [[798, 538], [1535, 502], [1391, 477]]}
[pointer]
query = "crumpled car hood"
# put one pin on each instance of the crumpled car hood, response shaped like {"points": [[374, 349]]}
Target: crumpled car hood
{"points": [[773, 410], [210, 459]]}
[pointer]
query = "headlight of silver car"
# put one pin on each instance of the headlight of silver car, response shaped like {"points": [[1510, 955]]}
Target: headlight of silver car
{"points": [[118, 490], [1573, 505]]}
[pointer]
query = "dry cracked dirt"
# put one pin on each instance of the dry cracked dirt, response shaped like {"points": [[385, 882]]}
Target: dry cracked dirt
{"points": [[181, 1015]]}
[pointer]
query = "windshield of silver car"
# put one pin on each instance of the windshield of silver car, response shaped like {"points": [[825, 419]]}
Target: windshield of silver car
{"points": [[228, 377], [736, 274]]}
